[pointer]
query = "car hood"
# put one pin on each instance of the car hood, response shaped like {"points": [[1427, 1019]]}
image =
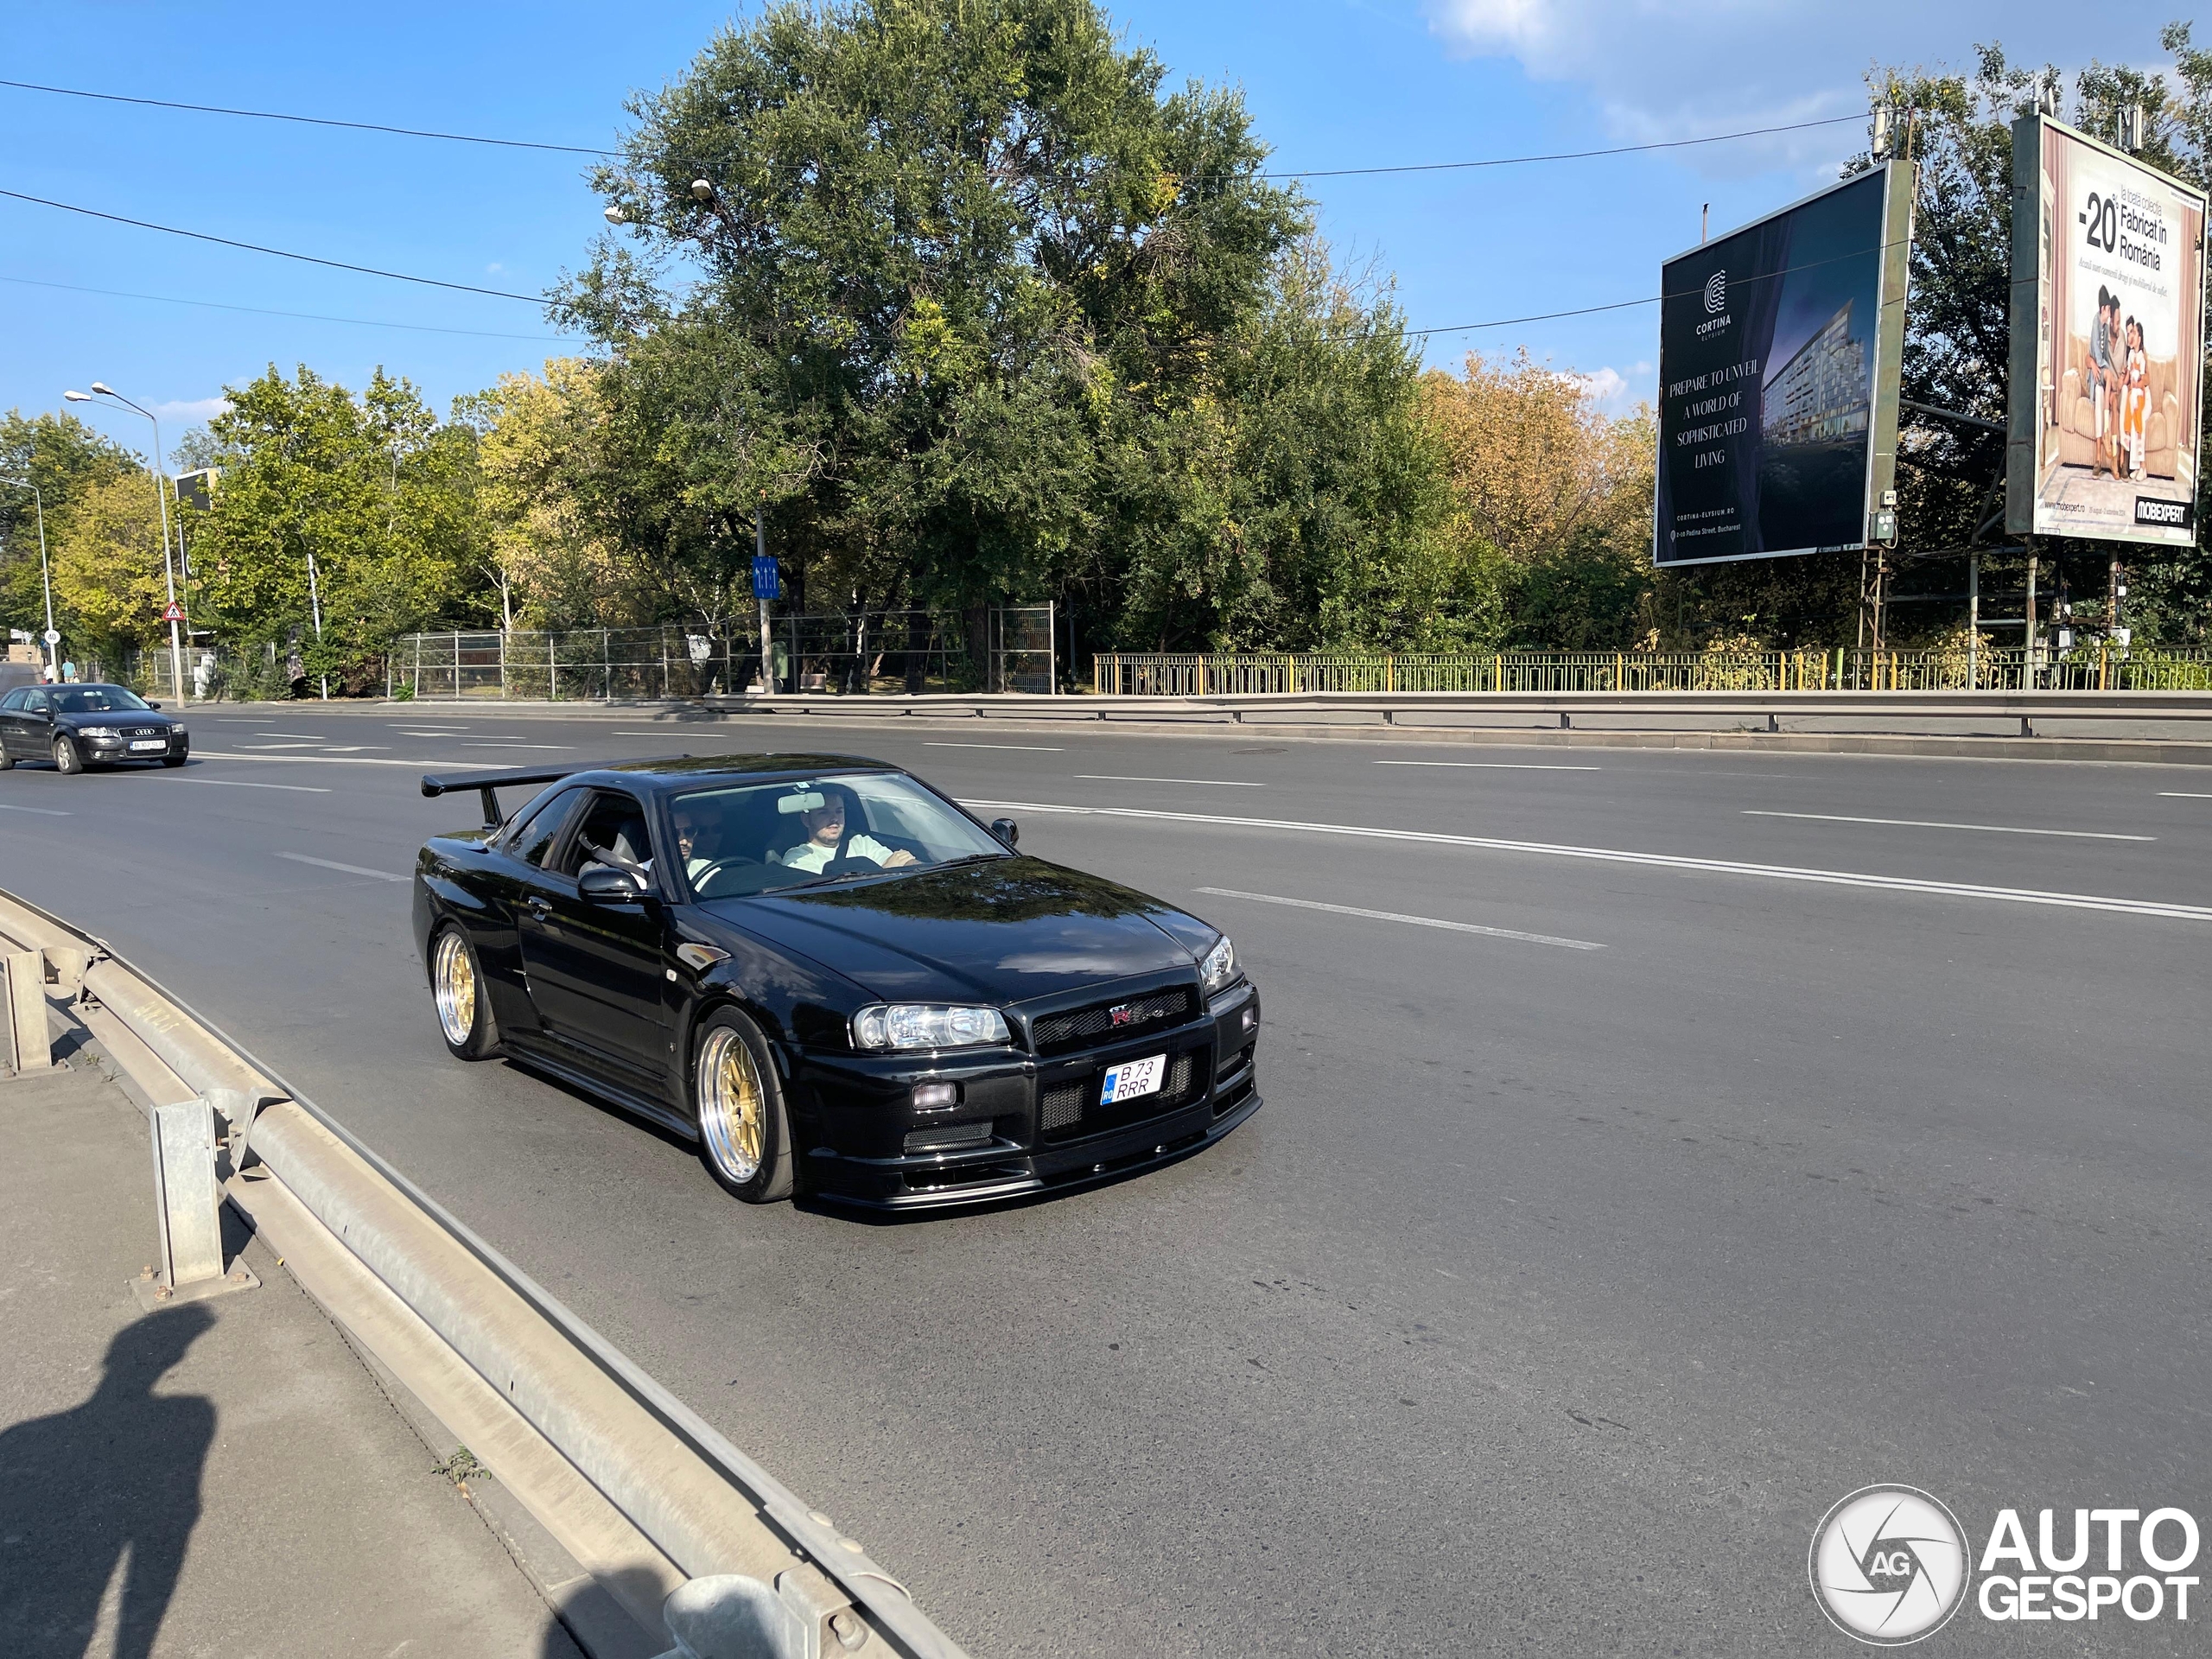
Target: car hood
{"points": [[1004, 931], [117, 717]]}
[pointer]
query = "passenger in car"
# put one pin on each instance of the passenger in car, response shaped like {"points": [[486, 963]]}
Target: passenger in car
{"points": [[825, 829]]}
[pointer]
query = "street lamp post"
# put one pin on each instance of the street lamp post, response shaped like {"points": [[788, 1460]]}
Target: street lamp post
{"points": [[45, 575], [160, 501]]}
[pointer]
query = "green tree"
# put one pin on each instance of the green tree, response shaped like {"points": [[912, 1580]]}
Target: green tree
{"points": [[109, 582], [66, 458], [964, 279], [377, 490]]}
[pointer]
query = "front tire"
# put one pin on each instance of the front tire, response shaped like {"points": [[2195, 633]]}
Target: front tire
{"points": [[464, 1008], [744, 1135], [66, 759], [7, 760], [173, 759]]}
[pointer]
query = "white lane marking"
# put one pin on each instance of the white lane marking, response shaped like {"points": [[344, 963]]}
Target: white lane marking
{"points": [[1394, 916], [1659, 861], [1492, 765], [240, 783], [1030, 748], [2184, 795], [346, 870], [272, 749], [502, 743], [430, 731], [311, 737], [338, 759], [1928, 823], [43, 811], [1202, 783]]}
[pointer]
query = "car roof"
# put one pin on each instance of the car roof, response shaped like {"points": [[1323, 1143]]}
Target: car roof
{"points": [[762, 768]]}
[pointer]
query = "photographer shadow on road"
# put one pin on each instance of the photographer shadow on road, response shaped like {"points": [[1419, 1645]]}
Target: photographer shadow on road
{"points": [[116, 1477]]}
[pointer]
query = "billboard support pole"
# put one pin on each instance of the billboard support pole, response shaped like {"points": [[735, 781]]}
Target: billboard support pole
{"points": [[2034, 563]]}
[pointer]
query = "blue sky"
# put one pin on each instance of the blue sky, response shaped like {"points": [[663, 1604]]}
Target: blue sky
{"points": [[1331, 82]]}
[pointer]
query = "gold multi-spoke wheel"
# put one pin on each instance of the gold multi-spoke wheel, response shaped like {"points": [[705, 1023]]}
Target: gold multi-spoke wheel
{"points": [[732, 1112], [464, 1019], [742, 1137]]}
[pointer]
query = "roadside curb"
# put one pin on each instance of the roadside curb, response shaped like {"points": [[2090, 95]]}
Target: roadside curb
{"points": [[627, 1480]]}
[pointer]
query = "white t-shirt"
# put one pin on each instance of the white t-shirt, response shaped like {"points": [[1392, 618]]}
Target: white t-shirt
{"points": [[813, 855]]}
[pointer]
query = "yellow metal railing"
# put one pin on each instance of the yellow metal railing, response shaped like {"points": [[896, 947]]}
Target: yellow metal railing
{"points": [[1197, 674]]}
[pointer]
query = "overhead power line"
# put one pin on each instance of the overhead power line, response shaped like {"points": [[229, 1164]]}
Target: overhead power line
{"points": [[280, 253], [308, 120], [1563, 154], [263, 311], [585, 149]]}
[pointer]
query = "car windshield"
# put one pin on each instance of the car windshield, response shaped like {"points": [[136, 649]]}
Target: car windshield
{"points": [[94, 700], [751, 837]]}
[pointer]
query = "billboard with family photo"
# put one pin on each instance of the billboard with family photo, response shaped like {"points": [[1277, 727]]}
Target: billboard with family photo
{"points": [[2107, 342], [1779, 352]]}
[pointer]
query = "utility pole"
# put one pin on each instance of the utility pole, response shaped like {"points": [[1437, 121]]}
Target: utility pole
{"points": [[2028, 666], [314, 604]]}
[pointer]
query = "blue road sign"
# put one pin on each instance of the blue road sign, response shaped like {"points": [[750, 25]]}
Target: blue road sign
{"points": [[767, 581]]}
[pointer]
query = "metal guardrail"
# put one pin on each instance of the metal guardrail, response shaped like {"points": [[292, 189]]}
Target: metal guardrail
{"points": [[1412, 708], [225, 1071], [2092, 667]]}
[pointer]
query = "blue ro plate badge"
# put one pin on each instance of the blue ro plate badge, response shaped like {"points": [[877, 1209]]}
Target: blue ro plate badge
{"points": [[1127, 1081]]}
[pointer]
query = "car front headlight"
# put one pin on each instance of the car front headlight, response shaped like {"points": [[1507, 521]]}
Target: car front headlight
{"points": [[928, 1025], [179, 731], [1219, 967], [97, 731]]}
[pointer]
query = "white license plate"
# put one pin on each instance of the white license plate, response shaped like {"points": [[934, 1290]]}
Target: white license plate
{"points": [[1136, 1077], [151, 743]]}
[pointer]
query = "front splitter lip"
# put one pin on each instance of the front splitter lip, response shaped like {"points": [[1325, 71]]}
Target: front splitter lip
{"points": [[1106, 1167]]}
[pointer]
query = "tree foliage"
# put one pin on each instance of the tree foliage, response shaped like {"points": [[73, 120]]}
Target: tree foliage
{"points": [[376, 489], [977, 310]]}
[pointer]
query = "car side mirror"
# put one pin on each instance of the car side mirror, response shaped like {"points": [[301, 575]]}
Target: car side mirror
{"points": [[153, 705], [600, 884], [1006, 831]]}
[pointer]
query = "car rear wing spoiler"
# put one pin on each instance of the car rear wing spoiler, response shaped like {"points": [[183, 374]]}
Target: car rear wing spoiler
{"points": [[488, 784]]}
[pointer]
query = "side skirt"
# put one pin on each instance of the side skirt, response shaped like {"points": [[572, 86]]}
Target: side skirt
{"points": [[532, 1055]]}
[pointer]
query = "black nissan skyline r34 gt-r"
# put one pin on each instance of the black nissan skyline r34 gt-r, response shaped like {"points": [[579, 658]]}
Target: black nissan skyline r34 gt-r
{"points": [[836, 981]]}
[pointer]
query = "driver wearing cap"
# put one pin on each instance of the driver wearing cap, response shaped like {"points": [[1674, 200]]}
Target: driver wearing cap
{"points": [[825, 828]]}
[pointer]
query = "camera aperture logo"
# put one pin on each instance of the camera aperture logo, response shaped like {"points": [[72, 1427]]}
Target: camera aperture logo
{"points": [[1889, 1564]]}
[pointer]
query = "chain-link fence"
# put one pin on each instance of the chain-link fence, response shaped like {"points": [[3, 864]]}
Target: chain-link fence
{"points": [[856, 653]]}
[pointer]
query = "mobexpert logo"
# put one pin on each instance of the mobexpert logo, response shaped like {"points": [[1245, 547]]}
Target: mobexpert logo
{"points": [[1889, 1564]]}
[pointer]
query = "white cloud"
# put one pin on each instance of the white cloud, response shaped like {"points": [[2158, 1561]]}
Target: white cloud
{"points": [[1615, 392], [192, 412], [1668, 69]]}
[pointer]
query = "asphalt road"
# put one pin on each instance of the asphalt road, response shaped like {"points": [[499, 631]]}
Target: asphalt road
{"points": [[1553, 1298]]}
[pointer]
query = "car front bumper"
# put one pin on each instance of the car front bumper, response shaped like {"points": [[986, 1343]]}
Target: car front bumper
{"points": [[867, 1124]]}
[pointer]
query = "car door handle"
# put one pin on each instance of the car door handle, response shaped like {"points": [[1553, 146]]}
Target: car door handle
{"points": [[538, 907]]}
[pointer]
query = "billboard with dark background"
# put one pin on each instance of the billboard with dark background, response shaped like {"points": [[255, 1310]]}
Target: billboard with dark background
{"points": [[1779, 349]]}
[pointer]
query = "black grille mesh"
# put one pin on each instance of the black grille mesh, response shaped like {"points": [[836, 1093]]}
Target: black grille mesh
{"points": [[1073, 1109], [1055, 1033]]}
